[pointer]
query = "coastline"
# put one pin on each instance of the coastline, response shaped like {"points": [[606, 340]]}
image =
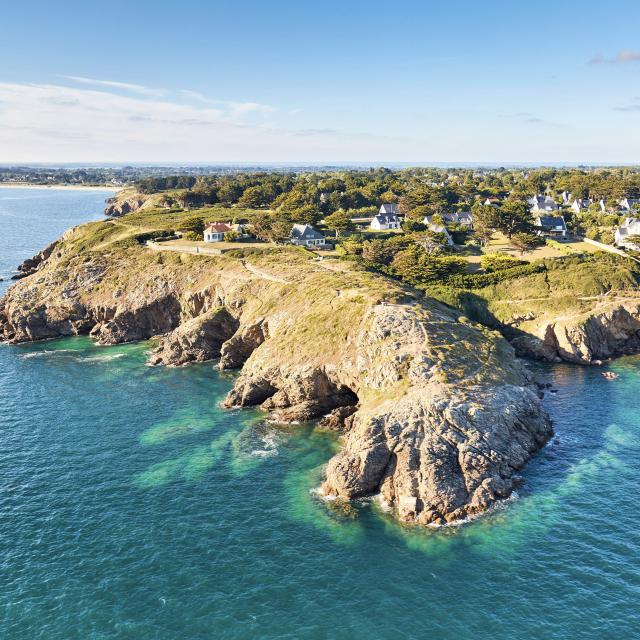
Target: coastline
{"points": [[73, 187]]}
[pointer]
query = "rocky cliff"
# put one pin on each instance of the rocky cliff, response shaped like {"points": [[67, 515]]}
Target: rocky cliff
{"points": [[580, 310], [437, 414], [127, 201]]}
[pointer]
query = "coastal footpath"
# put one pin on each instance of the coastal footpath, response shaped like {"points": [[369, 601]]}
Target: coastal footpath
{"points": [[436, 413]]}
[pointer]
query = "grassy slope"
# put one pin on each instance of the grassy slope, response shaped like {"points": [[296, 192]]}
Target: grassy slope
{"points": [[325, 302], [573, 286]]}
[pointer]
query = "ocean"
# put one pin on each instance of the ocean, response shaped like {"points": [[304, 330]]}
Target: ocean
{"points": [[133, 507]]}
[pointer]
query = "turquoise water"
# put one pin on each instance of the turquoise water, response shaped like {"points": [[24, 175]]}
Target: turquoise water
{"points": [[131, 506]]}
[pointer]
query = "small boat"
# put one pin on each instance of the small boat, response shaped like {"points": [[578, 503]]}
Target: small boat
{"points": [[610, 375]]}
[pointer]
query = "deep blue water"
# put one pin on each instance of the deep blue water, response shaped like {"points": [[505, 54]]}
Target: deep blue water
{"points": [[132, 507]]}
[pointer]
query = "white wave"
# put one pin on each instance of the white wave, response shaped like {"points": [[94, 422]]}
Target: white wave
{"points": [[264, 453], [45, 353], [270, 440], [102, 358]]}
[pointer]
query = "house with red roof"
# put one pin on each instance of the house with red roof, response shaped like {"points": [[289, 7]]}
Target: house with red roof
{"points": [[214, 231]]}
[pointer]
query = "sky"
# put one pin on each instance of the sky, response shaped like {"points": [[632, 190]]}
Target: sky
{"points": [[278, 81]]}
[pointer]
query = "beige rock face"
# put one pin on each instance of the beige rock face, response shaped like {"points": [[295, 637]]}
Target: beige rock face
{"points": [[440, 429], [437, 414], [610, 329]]}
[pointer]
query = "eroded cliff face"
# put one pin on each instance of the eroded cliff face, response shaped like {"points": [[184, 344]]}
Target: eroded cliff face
{"points": [[579, 309], [609, 329], [437, 414]]}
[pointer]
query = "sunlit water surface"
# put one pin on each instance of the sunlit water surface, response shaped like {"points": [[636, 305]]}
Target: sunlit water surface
{"points": [[132, 506]]}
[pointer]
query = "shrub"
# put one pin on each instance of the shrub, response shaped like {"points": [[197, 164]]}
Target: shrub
{"points": [[497, 261], [480, 280]]}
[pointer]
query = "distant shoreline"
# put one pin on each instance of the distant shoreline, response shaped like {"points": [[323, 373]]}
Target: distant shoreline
{"points": [[77, 187]]}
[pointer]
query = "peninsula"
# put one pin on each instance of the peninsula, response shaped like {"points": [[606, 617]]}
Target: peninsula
{"points": [[396, 338]]}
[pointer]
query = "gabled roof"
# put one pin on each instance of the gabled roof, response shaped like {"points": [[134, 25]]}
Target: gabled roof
{"points": [[631, 227], [305, 232], [386, 219], [217, 227], [552, 221], [388, 208], [458, 217]]}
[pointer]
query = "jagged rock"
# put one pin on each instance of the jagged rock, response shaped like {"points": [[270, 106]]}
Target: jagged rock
{"points": [[238, 348], [31, 265], [339, 419], [584, 338], [117, 208], [196, 340], [138, 322], [438, 414], [439, 457]]}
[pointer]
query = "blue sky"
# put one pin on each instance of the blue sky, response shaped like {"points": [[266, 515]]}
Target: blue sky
{"points": [[350, 81]]}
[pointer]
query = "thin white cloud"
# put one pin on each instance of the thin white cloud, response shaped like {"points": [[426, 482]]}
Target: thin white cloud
{"points": [[55, 123], [237, 108], [112, 84], [623, 56]]}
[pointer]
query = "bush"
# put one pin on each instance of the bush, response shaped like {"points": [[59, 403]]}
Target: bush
{"points": [[498, 261], [480, 280]]}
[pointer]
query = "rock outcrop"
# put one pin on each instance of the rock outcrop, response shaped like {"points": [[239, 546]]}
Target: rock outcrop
{"points": [[610, 329], [582, 309], [118, 207], [31, 265], [196, 340], [437, 414]]}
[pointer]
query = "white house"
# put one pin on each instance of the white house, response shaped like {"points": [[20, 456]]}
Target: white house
{"points": [[579, 204], [631, 227], [551, 226], [438, 228], [304, 235], [542, 204], [463, 218], [492, 202], [387, 218], [629, 203], [214, 231]]}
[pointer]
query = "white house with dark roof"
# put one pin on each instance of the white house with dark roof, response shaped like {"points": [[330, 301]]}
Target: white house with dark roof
{"points": [[215, 231], [629, 203], [630, 227], [541, 204], [551, 226], [304, 235], [387, 218], [463, 218], [580, 204]]}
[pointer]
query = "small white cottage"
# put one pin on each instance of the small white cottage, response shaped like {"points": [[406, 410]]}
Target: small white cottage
{"points": [[214, 231], [387, 218]]}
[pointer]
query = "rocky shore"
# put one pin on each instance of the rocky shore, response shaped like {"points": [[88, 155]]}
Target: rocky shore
{"points": [[610, 329], [437, 413]]}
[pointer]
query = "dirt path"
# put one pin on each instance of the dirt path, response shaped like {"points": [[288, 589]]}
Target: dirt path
{"points": [[603, 297], [263, 274]]}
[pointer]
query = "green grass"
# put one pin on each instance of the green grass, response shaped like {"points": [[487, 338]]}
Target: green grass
{"points": [[170, 219]]}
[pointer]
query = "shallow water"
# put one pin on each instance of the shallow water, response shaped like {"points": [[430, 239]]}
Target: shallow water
{"points": [[131, 506]]}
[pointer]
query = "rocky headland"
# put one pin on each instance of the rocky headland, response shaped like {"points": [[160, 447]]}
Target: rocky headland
{"points": [[437, 413]]}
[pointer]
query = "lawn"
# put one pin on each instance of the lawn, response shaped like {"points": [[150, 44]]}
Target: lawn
{"points": [[500, 244]]}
